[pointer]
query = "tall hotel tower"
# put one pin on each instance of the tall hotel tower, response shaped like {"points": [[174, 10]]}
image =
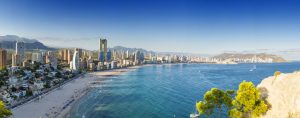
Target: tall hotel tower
{"points": [[20, 50], [75, 61], [3, 54], [103, 50]]}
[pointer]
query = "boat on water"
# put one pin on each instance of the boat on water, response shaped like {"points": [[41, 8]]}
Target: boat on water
{"points": [[253, 68], [195, 114]]}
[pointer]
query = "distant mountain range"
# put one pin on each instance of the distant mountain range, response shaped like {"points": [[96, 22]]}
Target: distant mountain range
{"points": [[121, 48], [292, 54], [9, 42], [225, 56]]}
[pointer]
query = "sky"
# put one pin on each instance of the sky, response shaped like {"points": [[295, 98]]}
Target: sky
{"points": [[194, 26]]}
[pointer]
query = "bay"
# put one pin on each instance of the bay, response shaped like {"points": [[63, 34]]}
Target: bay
{"points": [[169, 90]]}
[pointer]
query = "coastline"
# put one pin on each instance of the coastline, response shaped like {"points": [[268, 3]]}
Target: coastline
{"points": [[58, 102], [101, 75]]}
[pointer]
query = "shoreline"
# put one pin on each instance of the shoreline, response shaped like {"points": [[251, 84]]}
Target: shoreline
{"points": [[117, 72], [58, 102]]}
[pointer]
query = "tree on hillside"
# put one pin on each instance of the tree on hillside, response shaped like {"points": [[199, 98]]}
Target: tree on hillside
{"points": [[247, 103], [4, 112], [215, 99]]}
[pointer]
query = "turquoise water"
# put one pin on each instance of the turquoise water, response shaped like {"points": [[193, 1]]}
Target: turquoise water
{"points": [[165, 91]]}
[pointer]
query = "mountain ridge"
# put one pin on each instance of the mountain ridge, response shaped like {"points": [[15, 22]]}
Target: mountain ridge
{"points": [[225, 56], [9, 42]]}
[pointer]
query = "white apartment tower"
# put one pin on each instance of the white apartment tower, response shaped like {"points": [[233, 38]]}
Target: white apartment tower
{"points": [[75, 61]]}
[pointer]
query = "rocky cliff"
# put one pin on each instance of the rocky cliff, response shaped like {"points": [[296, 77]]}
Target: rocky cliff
{"points": [[283, 95]]}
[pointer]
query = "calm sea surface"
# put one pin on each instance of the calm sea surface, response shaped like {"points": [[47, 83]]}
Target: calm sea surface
{"points": [[165, 91]]}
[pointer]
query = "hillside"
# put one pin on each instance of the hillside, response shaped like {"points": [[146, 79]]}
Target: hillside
{"points": [[121, 48], [283, 95], [9, 42], [225, 56]]}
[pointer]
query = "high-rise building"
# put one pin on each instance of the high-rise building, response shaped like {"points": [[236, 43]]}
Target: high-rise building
{"points": [[3, 54], [20, 50], [101, 57], [50, 59], [37, 57], [69, 56], [136, 56], [79, 52], [139, 57], [83, 63], [65, 54], [15, 60], [127, 54], [29, 56], [75, 61], [108, 56], [50, 53], [103, 47], [114, 54], [61, 54]]}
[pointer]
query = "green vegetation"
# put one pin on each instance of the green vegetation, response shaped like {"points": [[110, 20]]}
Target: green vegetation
{"points": [[215, 99], [247, 102], [4, 112], [277, 73]]}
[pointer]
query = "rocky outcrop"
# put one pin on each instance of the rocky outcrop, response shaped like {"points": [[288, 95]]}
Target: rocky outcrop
{"points": [[283, 95]]}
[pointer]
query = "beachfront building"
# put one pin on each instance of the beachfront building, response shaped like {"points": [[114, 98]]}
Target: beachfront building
{"points": [[75, 61], [83, 63], [108, 56], [3, 54], [138, 57], [65, 54], [114, 64], [101, 57], [92, 66], [69, 56], [79, 50], [103, 48]]}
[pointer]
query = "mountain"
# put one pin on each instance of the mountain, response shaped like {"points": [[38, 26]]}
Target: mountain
{"points": [[292, 54], [121, 48], [225, 56], [9, 42]]}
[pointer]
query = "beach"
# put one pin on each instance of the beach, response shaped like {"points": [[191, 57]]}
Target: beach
{"points": [[58, 102]]}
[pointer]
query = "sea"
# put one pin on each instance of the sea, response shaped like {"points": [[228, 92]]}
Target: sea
{"points": [[168, 90]]}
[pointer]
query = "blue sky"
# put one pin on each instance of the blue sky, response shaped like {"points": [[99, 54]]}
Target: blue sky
{"points": [[195, 26]]}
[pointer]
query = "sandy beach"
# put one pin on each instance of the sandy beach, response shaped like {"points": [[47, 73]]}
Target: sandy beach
{"points": [[58, 102]]}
